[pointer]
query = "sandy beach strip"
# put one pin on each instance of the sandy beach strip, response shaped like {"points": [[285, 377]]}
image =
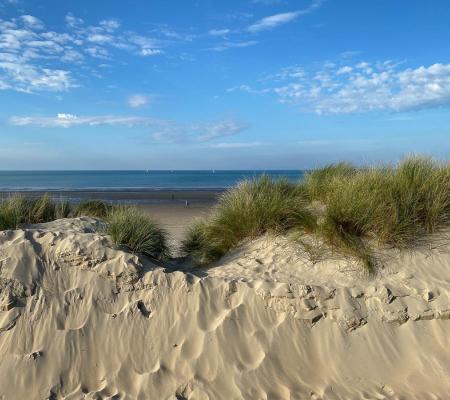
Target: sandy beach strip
{"points": [[175, 217], [167, 207], [129, 196]]}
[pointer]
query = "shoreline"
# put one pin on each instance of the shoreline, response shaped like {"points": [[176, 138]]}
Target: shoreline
{"points": [[138, 196]]}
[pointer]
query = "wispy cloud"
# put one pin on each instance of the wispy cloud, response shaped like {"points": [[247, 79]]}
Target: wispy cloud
{"points": [[171, 132], [219, 32], [362, 87], [273, 21], [138, 100], [237, 145], [64, 120], [32, 22], [159, 129], [219, 129], [233, 45]]}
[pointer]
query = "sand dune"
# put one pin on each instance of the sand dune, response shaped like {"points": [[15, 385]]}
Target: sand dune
{"points": [[82, 319]]}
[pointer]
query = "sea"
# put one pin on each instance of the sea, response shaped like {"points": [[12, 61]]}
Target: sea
{"points": [[144, 180]]}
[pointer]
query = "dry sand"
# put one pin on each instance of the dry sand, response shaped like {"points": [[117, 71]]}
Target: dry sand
{"points": [[81, 319], [176, 217]]}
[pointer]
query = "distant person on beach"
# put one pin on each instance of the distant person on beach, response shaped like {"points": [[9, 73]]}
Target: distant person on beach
{"points": [[187, 203]]}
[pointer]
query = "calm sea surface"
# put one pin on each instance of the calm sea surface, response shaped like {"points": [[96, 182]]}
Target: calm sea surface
{"points": [[130, 180]]}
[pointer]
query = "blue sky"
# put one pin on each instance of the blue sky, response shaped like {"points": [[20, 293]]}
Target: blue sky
{"points": [[204, 84]]}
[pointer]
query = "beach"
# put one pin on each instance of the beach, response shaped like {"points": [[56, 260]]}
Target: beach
{"points": [[168, 207], [266, 298], [175, 218], [130, 196], [224, 200], [81, 318]]}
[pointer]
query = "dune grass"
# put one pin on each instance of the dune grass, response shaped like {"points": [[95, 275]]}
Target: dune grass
{"points": [[352, 209], [130, 228], [396, 206], [43, 209], [92, 208], [63, 209], [126, 225], [14, 211], [319, 181], [18, 210], [249, 210]]}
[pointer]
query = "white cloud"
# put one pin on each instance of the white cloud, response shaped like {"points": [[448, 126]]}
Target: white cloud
{"points": [[98, 52], [219, 129], [65, 120], [110, 25], [344, 70], [33, 58], [218, 32], [160, 130], [150, 52], [32, 22], [242, 88], [273, 21], [276, 20], [72, 21], [138, 100], [24, 77], [365, 87], [233, 45], [100, 38]]}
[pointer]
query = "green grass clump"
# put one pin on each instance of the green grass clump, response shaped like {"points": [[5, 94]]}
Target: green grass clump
{"points": [[62, 209], [14, 211], [18, 210], [129, 227], [396, 205], [92, 208], [43, 209], [356, 209], [319, 181], [250, 209]]}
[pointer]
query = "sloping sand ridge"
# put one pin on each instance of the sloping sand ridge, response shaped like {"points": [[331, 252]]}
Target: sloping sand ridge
{"points": [[82, 319]]}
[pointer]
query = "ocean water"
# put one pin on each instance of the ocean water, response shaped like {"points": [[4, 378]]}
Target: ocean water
{"points": [[131, 180]]}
